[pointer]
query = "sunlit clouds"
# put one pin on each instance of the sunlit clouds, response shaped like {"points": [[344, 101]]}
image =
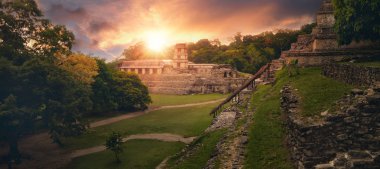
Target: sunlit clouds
{"points": [[106, 27]]}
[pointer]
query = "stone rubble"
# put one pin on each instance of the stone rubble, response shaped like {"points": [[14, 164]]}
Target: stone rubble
{"points": [[348, 137]]}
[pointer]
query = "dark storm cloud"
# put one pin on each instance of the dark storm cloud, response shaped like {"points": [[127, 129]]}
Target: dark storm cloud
{"points": [[105, 27], [98, 26], [61, 14]]}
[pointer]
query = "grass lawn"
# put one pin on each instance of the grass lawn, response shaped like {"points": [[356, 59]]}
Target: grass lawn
{"points": [[189, 121], [318, 93], [199, 159], [169, 100], [165, 100], [138, 154], [266, 148]]}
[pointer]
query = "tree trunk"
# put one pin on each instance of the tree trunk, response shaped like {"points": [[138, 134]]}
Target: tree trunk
{"points": [[14, 153], [117, 157]]}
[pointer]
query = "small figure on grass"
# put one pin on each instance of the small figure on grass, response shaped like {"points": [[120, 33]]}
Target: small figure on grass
{"points": [[114, 143], [293, 68]]}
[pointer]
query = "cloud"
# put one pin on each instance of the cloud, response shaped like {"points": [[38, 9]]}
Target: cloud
{"points": [[105, 27]]}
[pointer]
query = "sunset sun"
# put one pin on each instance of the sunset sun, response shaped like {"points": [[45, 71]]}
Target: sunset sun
{"points": [[156, 41]]}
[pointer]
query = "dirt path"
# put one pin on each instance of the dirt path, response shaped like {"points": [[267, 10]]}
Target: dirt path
{"points": [[46, 155], [167, 137]]}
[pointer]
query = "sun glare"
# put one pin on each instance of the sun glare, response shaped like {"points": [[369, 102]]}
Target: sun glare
{"points": [[156, 41]]}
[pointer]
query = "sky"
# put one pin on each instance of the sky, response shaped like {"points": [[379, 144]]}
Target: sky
{"points": [[104, 28]]}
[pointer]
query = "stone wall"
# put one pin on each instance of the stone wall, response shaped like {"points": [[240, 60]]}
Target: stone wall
{"points": [[319, 58], [353, 130], [351, 74], [180, 84]]}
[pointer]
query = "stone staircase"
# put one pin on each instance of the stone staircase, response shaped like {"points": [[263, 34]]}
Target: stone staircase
{"points": [[268, 78], [230, 151]]}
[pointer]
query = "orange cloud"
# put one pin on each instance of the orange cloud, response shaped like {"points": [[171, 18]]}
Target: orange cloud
{"points": [[106, 27]]}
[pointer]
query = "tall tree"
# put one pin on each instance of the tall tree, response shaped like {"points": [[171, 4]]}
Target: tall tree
{"points": [[103, 94], [83, 68], [357, 20], [32, 86], [130, 92], [114, 90]]}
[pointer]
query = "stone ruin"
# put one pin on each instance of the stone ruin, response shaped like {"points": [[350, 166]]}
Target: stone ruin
{"points": [[321, 45], [346, 138], [179, 76]]}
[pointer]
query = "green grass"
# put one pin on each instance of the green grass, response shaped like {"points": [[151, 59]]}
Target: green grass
{"points": [[318, 93], [189, 121], [169, 100], [199, 159], [266, 149], [138, 154], [165, 100]]}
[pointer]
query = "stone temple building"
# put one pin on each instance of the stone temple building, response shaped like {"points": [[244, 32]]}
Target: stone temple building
{"points": [[179, 76], [322, 45]]}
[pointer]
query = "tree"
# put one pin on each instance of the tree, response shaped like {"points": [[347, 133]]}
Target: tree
{"points": [[357, 20], [114, 90], [283, 39], [140, 51], [43, 82], [32, 87], [114, 143], [83, 68], [57, 97], [130, 92], [135, 52], [103, 95], [14, 121], [24, 30], [308, 28]]}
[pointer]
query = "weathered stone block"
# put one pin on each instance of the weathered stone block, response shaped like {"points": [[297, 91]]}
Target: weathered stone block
{"points": [[324, 166], [355, 154], [353, 128], [357, 92]]}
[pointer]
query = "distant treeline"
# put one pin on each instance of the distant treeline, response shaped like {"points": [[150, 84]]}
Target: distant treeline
{"points": [[246, 53]]}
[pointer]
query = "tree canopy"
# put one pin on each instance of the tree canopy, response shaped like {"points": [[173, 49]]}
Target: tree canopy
{"points": [[140, 51], [357, 20], [44, 82], [246, 53], [118, 91]]}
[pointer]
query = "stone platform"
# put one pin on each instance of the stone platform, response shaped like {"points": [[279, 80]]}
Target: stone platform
{"points": [[322, 46], [190, 84]]}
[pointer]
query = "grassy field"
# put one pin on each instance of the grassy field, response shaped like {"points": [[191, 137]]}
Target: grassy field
{"points": [[318, 93], [266, 148], [165, 100], [138, 154], [190, 121], [200, 157], [169, 100]]}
